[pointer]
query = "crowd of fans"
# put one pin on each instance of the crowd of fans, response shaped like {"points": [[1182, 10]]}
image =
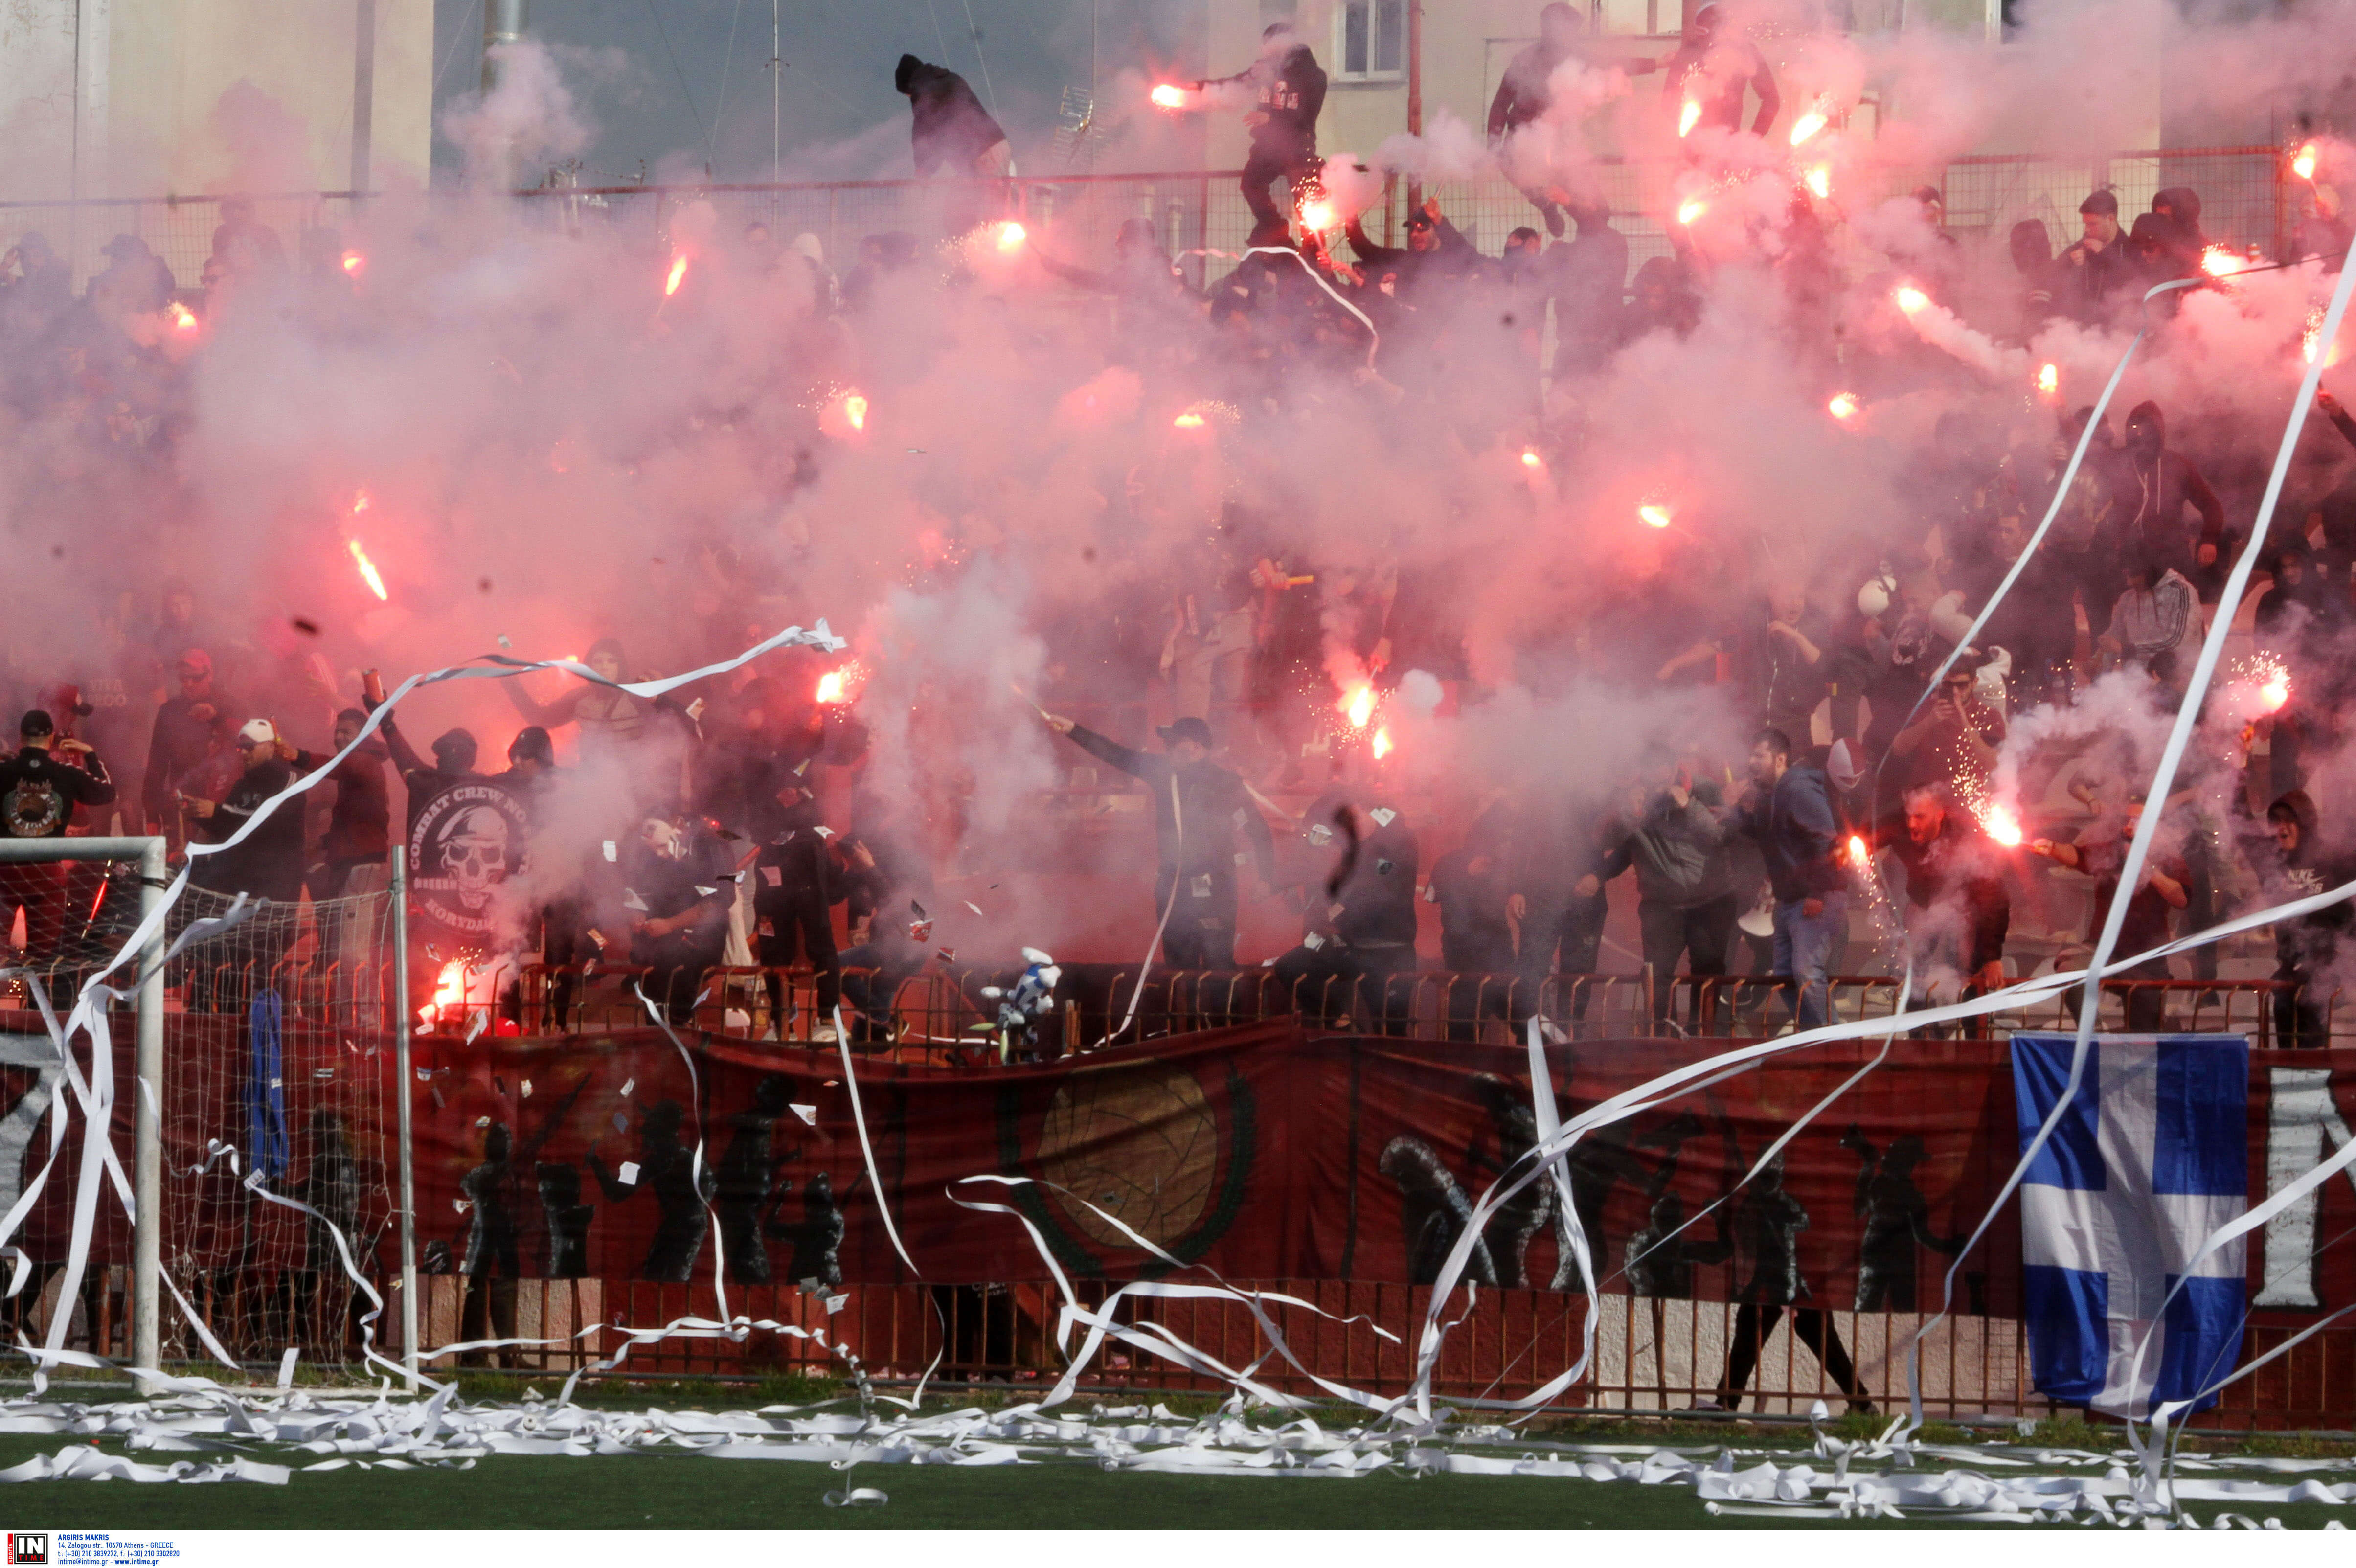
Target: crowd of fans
{"points": [[1844, 802]]}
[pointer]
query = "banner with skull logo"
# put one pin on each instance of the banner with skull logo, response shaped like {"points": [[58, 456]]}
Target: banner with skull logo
{"points": [[467, 841]]}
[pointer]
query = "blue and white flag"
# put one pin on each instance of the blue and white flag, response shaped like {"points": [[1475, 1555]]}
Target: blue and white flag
{"points": [[2152, 1155]]}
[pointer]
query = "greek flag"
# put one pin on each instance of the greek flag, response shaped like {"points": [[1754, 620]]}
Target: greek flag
{"points": [[2151, 1156]]}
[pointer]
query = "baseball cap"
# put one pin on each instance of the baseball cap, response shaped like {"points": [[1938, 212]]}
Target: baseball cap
{"points": [[1188, 728], [257, 732], [196, 661], [37, 721]]}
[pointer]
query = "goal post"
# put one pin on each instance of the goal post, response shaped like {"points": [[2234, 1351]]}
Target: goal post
{"points": [[147, 1066]]}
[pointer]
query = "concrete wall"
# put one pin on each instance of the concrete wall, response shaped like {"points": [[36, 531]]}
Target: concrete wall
{"points": [[182, 96]]}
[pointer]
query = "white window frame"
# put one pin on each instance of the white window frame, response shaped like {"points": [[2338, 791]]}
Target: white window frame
{"points": [[1372, 10]]}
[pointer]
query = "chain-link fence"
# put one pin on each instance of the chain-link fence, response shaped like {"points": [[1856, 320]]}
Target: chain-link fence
{"points": [[2249, 196]]}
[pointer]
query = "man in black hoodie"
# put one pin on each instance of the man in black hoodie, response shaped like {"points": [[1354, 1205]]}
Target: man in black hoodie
{"points": [[1289, 87], [950, 134], [1362, 917], [1198, 810], [2160, 483], [1789, 810], [268, 864], [1525, 93], [794, 896]]}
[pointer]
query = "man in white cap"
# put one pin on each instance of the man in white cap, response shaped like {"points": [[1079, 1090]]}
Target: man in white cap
{"points": [[268, 863]]}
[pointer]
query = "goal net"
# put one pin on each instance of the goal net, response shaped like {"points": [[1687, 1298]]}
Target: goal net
{"points": [[277, 1073]]}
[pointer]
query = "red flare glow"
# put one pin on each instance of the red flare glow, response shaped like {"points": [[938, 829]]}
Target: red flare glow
{"points": [[1653, 516], [1857, 851], [1359, 706], [2002, 826], [1820, 181], [1690, 209], [1382, 742], [1807, 125], [1911, 299], [854, 409], [2219, 262], [368, 569], [2274, 693], [2049, 379], [677, 275], [1530, 458], [829, 686], [1843, 405], [1167, 96], [840, 685], [183, 319], [2303, 164], [1189, 420], [1010, 236], [354, 263], [1688, 117]]}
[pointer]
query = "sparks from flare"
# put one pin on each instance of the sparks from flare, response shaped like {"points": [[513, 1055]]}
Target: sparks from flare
{"points": [[1010, 236], [2219, 262], [678, 276], [1359, 706], [1688, 117], [2049, 379], [1807, 125], [2311, 338], [1167, 96], [2303, 165], [1317, 217], [1382, 742], [1843, 406], [368, 569], [1857, 854], [2002, 826], [2265, 674], [1653, 516], [1911, 299], [1820, 181]]}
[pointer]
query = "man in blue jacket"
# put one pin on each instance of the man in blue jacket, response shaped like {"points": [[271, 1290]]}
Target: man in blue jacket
{"points": [[1789, 810]]}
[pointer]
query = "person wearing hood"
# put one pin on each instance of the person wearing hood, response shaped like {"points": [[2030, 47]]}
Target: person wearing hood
{"points": [[1476, 938], [40, 787], [1587, 279], [1288, 87], [2158, 484], [2292, 861], [2180, 234], [1789, 810], [454, 754], [794, 895], [2159, 613], [1199, 807], [949, 133]]}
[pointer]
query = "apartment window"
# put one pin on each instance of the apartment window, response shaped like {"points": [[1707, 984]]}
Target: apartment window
{"points": [[1374, 38]]}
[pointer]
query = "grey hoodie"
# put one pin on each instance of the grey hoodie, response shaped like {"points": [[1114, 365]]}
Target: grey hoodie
{"points": [[1679, 852]]}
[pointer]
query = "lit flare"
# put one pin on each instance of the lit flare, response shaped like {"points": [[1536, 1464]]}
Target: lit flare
{"points": [[1691, 207], [1168, 96], [1653, 516], [829, 686], [1318, 218], [1530, 459], [1843, 405], [1010, 236], [183, 319], [368, 573], [678, 276], [1688, 117], [1820, 181], [2049, 379], [353, 262], [1189, 420], [1911, 299], [2002, 826], [1807, 125], [2303, 162], [1360, 707], [2219, 262], [1858, 854], [854, 409], [1382, 742]]}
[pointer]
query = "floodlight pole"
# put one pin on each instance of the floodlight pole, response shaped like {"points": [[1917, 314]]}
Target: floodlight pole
{"points": [[396, 1014]]}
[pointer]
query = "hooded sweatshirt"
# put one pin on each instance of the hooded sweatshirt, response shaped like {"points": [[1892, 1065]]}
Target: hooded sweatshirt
{"points": [[2159, 484], [2309, 942], [1798, 833], [1679, 852], [951, 128]]}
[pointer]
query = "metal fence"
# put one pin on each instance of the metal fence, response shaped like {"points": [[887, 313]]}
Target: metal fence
{"points": [[2249, 196]]}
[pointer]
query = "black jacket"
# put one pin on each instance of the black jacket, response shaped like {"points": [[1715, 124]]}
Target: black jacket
{"points": [[1206, 801], [360, 821], [1960, 863], [269, 864], [38, 793], [796, 867], [1290, 93], [951, 128]]}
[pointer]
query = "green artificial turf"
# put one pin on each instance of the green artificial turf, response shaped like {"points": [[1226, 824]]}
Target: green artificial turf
{"points": [[678, 1490]]}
